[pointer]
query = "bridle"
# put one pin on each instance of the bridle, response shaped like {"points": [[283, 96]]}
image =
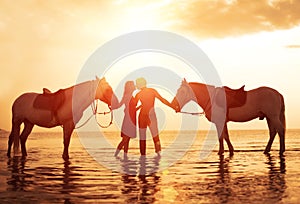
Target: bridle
{"points": [[204, 109], [94, 107]]}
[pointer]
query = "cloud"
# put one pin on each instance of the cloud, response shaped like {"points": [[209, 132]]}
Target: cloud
{"points": [[220, 18], [292, 46]]}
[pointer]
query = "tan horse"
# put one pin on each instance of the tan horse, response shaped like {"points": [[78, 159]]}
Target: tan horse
{"points": [[64, 108], [263, 102]]}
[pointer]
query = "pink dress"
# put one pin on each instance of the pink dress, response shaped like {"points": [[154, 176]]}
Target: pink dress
{"points": [[129, 121]]}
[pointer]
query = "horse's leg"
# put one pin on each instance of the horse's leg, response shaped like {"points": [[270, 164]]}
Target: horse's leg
{"points": [[15, 130], [272, 133], [282, 140], [281, 132], [68, 128], [24, 135], [226, 137], [220, 136]]}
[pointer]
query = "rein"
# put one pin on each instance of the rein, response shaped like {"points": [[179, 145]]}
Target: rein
{"points": [[95, 113], [193, 113]]}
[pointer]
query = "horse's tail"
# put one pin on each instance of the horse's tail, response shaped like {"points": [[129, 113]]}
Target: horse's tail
{"points": [[282, 113]]}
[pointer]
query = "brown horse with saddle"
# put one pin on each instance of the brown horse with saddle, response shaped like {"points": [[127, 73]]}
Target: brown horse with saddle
{"points": [[222, 104], [62, 108]]}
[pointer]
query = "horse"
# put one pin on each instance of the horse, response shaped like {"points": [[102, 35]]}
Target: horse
{"points": [[262, 102], [63, 108]]}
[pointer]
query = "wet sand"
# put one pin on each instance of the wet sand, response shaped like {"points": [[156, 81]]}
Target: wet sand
{"points": [[247, 177]]}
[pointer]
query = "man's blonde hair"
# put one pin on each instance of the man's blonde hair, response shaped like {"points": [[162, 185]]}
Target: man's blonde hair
{"points": [[140, 82]]}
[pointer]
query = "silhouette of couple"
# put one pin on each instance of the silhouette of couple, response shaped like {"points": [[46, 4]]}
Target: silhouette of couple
{"points": [[147, 117]]}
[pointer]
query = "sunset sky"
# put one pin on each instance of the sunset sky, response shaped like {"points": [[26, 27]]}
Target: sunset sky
{"points": [[252, 43]]}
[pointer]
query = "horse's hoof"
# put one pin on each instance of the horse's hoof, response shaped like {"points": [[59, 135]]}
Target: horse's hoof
{"points": [[8, 155], [231, 154]]}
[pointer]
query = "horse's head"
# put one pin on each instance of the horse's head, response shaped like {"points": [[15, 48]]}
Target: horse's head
{"points": [[183, 96], [104, 91]]}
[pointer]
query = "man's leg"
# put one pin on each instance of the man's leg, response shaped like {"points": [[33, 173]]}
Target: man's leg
{"points": [[157, 144], [143, 123], [142, 132], [154, 132]]}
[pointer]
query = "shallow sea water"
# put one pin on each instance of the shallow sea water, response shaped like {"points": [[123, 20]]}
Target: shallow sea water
{"points": [[247, 177]]}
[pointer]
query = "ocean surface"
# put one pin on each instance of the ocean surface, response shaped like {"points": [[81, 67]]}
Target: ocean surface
{"points": [[180, 175]]}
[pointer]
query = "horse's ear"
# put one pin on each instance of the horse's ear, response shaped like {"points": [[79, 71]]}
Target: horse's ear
{"points": [[184, 81], [97, 78]]}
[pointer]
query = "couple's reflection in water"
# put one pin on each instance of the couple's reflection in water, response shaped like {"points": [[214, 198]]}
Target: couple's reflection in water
{"points": [[229, 187], [140, 180]]}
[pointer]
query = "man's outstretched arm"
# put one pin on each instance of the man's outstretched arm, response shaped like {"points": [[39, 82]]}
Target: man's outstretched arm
{"points": [[163, 100]]}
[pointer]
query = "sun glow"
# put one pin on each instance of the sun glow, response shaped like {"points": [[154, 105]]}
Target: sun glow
{"points": [[255, 45], [142, 17]]}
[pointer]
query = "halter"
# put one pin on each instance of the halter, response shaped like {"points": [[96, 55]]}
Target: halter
{"points": [[95, 113], [204, 109], [94, 107]]}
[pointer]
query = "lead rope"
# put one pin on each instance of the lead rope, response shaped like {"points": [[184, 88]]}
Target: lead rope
{"points": [[83, 124], [94, 110], [193, 113]]}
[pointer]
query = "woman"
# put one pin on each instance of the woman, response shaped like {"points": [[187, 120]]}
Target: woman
{"points": [[129, 122]]}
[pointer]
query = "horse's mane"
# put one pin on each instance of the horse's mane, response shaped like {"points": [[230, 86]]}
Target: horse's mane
{"points": [[199, 84], [80, 84]]}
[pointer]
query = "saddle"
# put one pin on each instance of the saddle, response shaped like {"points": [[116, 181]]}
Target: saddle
{"points": [[234, 97], [49, 101]]}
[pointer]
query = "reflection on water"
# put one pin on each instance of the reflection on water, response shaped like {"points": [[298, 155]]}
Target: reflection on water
{"points": [[277, 184], [247, 177], [138, 185], [227, 187], [140, 188], [20, 179]]}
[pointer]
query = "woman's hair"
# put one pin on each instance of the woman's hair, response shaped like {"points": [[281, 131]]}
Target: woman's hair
{"points": [[128, 89]]}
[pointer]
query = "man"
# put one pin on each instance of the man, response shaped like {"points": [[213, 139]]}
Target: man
{"points": [[147, 116]]}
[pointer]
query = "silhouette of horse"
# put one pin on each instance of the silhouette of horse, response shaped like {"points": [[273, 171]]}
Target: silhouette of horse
{"points": [[222, 104], [65, 108]]}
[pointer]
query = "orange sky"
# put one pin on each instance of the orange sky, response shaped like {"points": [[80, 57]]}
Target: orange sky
{"points": [[45, 43]]}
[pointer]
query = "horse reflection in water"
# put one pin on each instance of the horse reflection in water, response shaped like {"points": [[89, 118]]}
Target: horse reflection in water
{"points": [[25, 178], [222, 104], [63, 108], [228, 187], [20, 179], [277, 182]]}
